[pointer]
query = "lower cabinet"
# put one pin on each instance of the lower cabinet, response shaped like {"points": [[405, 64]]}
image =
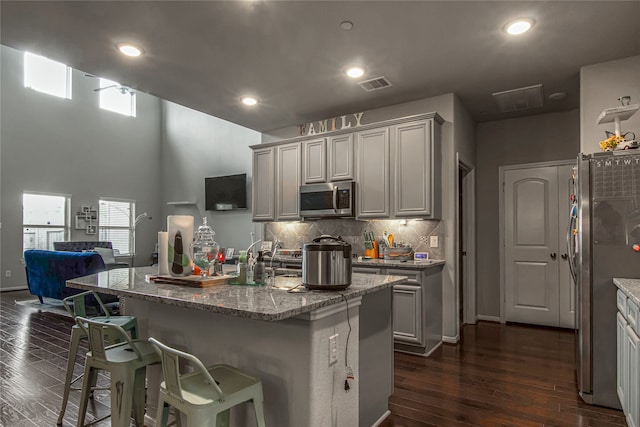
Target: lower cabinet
{"points": [[417, 307], [628, 347], [407, 314]]}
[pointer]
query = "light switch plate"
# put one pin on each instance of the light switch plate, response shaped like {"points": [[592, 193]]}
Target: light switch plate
{"points": [[433, 241]]}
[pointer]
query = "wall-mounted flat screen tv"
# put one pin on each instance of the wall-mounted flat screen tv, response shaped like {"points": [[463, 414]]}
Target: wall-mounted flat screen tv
{"points": [[226, 193]]}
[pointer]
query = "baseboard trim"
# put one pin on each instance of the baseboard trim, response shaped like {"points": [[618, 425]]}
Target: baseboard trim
{"points": [[382, 418], [15, 288], [451, 340], [488, 318]]}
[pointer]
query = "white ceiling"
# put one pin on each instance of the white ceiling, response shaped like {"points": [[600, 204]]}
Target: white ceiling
{"points": [[291, 54]]}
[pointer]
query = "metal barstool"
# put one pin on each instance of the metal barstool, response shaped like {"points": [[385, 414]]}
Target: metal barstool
{"points": [[206, 395], [75, 305], [126, 363]]}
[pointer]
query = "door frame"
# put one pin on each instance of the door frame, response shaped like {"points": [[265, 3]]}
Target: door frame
{"points": [[501, 231], [469, 237]]}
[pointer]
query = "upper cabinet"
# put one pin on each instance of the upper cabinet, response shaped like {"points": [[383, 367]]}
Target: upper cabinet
{"points": [[328, 159], [315, 161], [341, 157], [416, 170], [288, 182], [396, 165], [263, 194], [372, 192]]}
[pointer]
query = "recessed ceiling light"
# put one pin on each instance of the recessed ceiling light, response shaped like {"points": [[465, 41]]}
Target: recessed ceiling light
{"points": [[248, 100], [355, 72], [346, 25], [519, 26], [129, 49]]}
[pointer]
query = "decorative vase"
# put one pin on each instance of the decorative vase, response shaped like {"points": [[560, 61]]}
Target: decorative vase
{"points": [[180, 236], [204, 250]]}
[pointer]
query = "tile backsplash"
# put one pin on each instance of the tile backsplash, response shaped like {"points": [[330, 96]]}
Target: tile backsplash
{"points": [[416, 233]]}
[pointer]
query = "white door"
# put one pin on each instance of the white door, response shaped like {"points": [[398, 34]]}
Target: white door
{"points": [[531, 245], [538, 285]]}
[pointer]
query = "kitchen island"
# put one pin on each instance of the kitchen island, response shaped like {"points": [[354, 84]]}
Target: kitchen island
{"points": [[279, 336]]}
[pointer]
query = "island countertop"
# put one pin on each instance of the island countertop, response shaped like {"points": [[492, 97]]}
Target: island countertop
{"points": [[270, 303]]}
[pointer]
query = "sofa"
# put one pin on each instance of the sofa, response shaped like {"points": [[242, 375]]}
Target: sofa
{"points": [[48, 271], [105, 249]]}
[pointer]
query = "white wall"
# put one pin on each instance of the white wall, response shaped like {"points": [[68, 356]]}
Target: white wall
{"points": [[72, 147], [194, 146], [600, 87], [457, 135]]}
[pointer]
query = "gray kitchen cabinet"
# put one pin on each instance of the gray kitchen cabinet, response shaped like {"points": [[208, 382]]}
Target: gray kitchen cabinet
{"points": [[263, 195], [628, 357], [407, 314], [417, 307], [416, 169], [288, 181], [373, 173], [315, 161], [340, 153]]}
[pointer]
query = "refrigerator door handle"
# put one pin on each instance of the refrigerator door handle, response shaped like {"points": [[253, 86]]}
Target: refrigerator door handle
{"points": [[564, 256]]}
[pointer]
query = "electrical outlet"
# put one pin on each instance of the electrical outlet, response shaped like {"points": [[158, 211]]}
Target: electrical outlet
{"points": [[333, 349], [7, 273], [433, 242]]}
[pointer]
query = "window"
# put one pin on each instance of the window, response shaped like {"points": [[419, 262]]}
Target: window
{"points": [[47, 76], [117, 98], [45, 219], [116, 224]]}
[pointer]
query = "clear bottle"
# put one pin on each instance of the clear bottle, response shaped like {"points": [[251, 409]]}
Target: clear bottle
{"points": [[250, 265], [204, 249], [259, 270], [242, 267]]}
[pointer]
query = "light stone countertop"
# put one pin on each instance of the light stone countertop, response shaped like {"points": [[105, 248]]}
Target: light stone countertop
{"points": [[378, 263], [631, 287], [268, 303]]}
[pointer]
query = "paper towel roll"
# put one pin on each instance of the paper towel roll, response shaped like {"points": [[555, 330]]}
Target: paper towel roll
{"points": [[163, 248], [180, 236]]}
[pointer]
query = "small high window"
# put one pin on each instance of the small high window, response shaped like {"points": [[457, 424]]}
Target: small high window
{"points": [[45, 219], [117, 98], [47, 76]]}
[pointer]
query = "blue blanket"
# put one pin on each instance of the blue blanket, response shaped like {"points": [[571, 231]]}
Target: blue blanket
{"points": [[48, 271]]}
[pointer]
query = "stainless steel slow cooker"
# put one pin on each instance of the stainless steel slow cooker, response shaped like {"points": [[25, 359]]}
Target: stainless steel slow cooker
{"points": [[326, 263]]}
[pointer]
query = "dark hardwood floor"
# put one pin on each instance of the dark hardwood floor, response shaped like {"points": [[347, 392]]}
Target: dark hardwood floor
{"points": [[498, 375]]}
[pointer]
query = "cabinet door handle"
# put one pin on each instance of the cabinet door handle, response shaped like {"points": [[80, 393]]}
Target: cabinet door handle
{"points": [[553, 255]]}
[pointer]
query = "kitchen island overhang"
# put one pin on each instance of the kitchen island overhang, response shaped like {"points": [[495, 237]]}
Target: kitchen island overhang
{"points": [[281, 337]]}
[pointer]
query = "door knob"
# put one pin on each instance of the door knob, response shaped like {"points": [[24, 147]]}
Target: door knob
{"points": [[564, 256], [553, 255]]}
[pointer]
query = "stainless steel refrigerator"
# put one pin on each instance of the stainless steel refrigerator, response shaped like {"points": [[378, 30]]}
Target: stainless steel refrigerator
{"points": [[604, 227]]}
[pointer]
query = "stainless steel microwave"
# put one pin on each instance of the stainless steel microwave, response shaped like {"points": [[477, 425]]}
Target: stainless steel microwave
{"points": [[334, 199]]}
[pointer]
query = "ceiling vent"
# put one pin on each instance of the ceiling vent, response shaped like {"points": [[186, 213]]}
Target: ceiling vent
{"points": [[520, 99], [375, 84]]}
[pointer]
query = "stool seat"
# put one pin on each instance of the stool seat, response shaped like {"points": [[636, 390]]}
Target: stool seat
{"points": [[206, 395], [126, 363], [75, 306]]}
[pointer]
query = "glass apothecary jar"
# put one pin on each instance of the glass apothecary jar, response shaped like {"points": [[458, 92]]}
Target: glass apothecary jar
{"points": [[204, 250]]}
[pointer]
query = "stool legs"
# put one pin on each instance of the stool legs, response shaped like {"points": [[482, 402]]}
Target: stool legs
{"points": [[71, 361], [258, 407], [139, 396]]}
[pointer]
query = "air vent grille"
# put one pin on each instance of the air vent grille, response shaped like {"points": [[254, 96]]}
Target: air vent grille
{"points": [[519, 99], [375, 84]]}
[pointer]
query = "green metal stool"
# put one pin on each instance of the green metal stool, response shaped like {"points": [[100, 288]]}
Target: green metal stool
{"points": [[75, 305], [203, 400], [126, 363]]}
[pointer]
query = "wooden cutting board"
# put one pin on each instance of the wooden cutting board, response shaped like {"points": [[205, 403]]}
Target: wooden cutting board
{"points": [[192, 281]]}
